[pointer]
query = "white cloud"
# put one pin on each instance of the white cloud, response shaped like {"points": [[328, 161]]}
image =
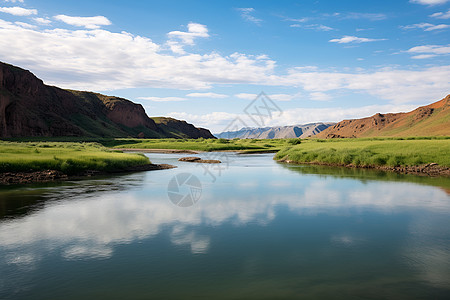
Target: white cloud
{"points": [[353, 39], [162, 99], [180, 38], [319, 96], [423, 56], [25, 25], [207, 95], [87, 22], [14, 1], [42, 21], [218, 121], [195, 30], [246, 14], [369, 16], [302, 20], [246, 96], [18, 11], [281, 97], [429, 2], [101, 60], [277, 97], [426, 26], [441, 15], [429, 51], [318, 27]]}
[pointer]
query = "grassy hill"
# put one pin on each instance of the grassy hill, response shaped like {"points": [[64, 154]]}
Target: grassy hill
{"points": [[430, 120]]}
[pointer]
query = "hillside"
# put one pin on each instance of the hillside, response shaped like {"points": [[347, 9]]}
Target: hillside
{"points": [[430, 120], [281, 132], [29, 108]]}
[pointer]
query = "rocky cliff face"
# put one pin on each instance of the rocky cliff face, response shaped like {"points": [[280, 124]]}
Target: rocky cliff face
{"points": [[28, 108], [430, 120]]}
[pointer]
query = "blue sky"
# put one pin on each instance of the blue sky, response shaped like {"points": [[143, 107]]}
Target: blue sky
{"points": [[205, 61]]}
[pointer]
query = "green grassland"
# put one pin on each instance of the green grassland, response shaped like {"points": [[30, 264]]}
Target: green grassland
{"points": [[72, 157], [67, 157], [244, 145], [370, 151]]}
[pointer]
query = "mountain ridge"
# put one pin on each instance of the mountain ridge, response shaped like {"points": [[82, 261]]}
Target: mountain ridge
{"points": [[293, 131], [29, 108], [428, 120]]}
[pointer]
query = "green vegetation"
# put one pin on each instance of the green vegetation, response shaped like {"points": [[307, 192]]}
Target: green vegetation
{"points": [[371, 151], [244, 145], [67, 157], [72, 157]]}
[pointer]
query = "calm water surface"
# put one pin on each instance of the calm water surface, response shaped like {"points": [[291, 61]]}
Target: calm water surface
{"points": [[261, 230]]}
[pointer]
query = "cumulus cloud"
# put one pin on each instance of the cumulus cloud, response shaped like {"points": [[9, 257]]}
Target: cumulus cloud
{"points": [[18, 11], [441, 15], [429, 51], [86, 22], [104, 60], [25, 25], [101, 60], [42, 21], [429, 2], [180, 38], [207, 95], [163, 99], [426, 26], [246, 14], [195, 30], [353, 39]]}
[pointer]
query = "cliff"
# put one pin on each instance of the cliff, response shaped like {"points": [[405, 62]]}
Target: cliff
{"points": [[30, 108]]}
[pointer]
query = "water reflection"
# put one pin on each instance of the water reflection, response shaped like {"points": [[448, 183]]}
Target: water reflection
{"points": [[281, 215]]}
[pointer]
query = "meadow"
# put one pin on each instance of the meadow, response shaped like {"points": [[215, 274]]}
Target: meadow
{"points": [[106, 154], [68, 157], [370, 151], [245, 145]]}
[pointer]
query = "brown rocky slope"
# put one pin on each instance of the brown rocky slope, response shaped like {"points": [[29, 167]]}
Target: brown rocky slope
{"points": [[29, 108], [430, 120]]}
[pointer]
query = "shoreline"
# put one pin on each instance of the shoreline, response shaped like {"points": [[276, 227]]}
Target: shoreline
{"points": [[19, 178], [163, 151], [429, 170]]}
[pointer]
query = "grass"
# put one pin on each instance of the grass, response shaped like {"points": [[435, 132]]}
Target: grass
{"points": [[67, 157], [71, 157], [371, 151], [245, 145]]}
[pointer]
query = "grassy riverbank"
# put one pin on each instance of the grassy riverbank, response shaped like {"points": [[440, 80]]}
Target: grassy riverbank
{"points": [[370, 152], [246, 145], [67, 157]]}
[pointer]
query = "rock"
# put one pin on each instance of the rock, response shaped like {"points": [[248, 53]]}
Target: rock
{"points": [[199, 160], [190, 158]]}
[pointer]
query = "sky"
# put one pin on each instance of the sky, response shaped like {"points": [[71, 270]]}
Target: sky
{"points": [[205, 61]]}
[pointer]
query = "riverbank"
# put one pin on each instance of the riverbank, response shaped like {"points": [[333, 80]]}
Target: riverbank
{"points": [[425, 157], [25, 162], [9, 178]]}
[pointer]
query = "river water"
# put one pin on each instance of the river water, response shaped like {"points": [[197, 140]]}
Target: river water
{"points": [[249, 228]]}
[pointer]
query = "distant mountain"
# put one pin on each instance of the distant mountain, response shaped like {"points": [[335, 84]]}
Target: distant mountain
{"points": [[296, 131], [29, 108], [430, 120]]}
